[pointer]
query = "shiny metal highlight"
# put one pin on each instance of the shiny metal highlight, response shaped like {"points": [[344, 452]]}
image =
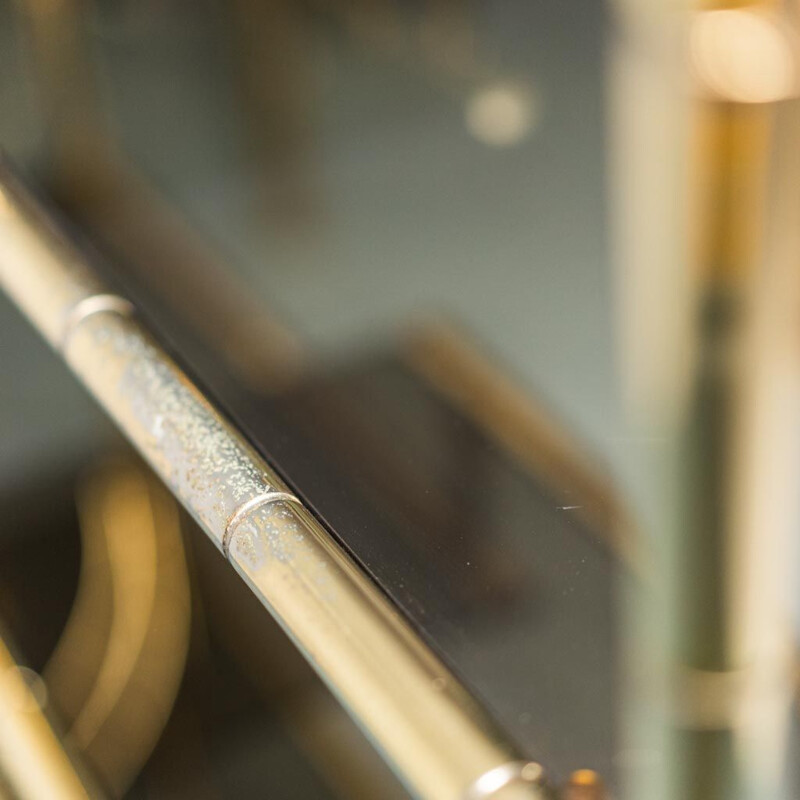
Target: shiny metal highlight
{"points": [[506, 775], [251, 505], [432, 732], [95, 304]]}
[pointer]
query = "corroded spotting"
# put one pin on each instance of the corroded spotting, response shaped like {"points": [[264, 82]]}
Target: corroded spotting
{"points": [[241, 513], [416, 712], [269, 531], [185, 440], [386, 678]]}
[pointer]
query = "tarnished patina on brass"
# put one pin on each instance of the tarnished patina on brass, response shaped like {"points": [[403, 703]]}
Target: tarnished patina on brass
{"points": [[430, 729], [243, 512], [206, 464]]}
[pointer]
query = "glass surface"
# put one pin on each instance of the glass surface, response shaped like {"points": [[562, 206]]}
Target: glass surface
{"points": [[160, 692], [380, 234], [377, 235]]}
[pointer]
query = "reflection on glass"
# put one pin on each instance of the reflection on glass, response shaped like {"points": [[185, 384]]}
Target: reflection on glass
{"points": [[401, 245]]}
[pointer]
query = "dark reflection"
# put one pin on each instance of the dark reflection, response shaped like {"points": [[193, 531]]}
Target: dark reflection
{"points": [[361, 166], [240, 715], [502, 554], [497, 567], [378, 232]]}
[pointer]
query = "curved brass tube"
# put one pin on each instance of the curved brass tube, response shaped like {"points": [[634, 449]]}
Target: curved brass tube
{"points": [[117, 668]]}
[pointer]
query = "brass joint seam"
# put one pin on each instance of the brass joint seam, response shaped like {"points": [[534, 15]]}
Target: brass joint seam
{"points": [[88, 306], [418, 714], [250, 506]]}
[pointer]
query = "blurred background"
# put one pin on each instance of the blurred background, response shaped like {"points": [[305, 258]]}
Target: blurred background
{"points": [[470, 274]]}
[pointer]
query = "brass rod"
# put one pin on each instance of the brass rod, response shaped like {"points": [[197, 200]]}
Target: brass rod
{"points": [[436, 737], [33, 760]]}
